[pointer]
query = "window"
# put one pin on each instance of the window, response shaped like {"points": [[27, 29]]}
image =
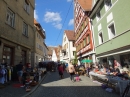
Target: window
{"points": [[74, 53], [64, 39], [108, 4], [85, 42], [10, 18], [26, 6], [73, 43], [111, 31], [100, 38], [66, 45], [98, 15], [25, 29], [88, 39]]}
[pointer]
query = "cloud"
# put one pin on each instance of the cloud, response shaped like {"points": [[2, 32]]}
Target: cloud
{"points": [[35, 14], [54, 18], [71, 22], [57, 25], [69, 0]]}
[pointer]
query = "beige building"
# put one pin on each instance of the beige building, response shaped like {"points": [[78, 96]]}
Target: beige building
{"points": [[16, 30], [45, 52], [39, 51]]}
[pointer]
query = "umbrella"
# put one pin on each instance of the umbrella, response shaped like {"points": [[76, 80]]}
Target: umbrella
{"points": [[62, 61], [86, 61]]}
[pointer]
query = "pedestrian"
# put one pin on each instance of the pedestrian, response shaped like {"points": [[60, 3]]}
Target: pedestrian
{"points": [[19, 69], [61, 70], [2, 73], [71, 70]]}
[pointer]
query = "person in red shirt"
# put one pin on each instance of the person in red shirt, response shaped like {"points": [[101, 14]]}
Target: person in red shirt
{"points": [[61, 70]]}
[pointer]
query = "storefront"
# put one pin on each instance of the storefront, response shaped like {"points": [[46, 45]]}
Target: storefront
{"points": [[8, 54]]}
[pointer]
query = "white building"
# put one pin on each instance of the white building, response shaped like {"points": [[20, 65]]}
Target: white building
{"points": [[68, 48], [54, 55]]}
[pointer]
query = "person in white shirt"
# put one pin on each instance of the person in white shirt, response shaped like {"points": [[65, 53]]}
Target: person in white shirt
{"points": [[71, 70]]}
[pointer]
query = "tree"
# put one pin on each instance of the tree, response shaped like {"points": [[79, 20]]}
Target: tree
{"points": [[75, 60]]}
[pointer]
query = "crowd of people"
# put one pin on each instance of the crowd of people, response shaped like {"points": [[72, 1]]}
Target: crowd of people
{"points": [[114, 70], [27, 75]]}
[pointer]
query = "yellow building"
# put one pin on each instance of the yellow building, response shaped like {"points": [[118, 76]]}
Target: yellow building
{"points": [[39, 43], [16, 30]]}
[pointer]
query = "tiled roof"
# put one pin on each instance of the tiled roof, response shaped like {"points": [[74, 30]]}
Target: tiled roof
{"points": [[50, 49], [35, 22], [70, 34], [85, 4]]}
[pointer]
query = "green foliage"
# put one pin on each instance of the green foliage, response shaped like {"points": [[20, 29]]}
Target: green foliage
{"points": [[75, 60]]}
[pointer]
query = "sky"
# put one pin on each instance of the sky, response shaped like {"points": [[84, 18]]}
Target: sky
{"points": [[54, 16]]}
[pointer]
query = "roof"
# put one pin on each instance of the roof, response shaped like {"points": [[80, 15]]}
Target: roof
{"points": [[35, 22], [70, 34], [39, 28], [50, 50], [85, 4]]}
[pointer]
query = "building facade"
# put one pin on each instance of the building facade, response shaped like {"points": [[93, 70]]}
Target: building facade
{"points": [[83, 32], [68, 47], [45, 52], [16, 31], [111, 29], [38, 54]]}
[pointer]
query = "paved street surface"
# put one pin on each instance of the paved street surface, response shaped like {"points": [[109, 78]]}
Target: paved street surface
{"points": [[52, 86]]}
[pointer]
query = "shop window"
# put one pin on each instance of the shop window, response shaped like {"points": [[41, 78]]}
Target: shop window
{"points": [[125, 60], [10, 18], [7, 55]]}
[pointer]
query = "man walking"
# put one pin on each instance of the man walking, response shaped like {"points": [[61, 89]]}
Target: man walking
{"points": [[71, 70]]}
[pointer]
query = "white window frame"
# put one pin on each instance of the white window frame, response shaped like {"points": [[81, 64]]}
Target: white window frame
{"points": [[98, 11], [112, 23], [10, 17], [107, 7], [99, 38], [25, 28], [26, 7]]}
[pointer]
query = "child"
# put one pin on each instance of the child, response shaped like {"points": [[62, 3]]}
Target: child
{"points": [[77, 78]]}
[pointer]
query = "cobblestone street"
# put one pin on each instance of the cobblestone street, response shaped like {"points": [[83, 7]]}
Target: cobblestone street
{"points": [[52, 86]]}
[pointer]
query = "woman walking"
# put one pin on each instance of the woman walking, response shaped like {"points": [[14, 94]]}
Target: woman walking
{"points": [[71, 70]]}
